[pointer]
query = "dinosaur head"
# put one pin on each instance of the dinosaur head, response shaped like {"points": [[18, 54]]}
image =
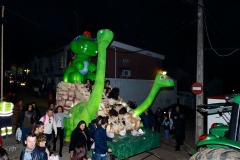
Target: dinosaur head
{"points": [[84, 45], [104, 37], [163, 81]]}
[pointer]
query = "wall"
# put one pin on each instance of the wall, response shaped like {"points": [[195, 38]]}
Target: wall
{"points": [[122, 57], [138, 90], [135, 62]]}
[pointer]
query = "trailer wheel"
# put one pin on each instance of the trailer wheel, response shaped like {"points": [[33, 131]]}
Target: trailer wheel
{"points": [[216, 154]]}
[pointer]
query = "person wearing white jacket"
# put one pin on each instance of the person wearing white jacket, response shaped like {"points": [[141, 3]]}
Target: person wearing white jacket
{"points": [[59, 117], [49, 125]]}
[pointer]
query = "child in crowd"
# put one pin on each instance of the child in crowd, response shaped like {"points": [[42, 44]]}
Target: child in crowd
{"points": [[41, 143], [166, 127]]}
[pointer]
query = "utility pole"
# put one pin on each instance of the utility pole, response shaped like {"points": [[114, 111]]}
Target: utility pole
{"points": [[200, 70], [2, 53]]}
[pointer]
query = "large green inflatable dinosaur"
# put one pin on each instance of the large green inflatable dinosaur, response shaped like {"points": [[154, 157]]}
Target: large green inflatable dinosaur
{"points": [[88, 110]]}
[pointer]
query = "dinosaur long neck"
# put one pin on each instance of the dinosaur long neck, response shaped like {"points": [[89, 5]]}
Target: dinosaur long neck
{"points": [[96, 95], [148, 101]]}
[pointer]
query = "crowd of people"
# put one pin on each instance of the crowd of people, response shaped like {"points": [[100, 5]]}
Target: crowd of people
{"points": [[40, 133], [88, 141], [172, 122]]}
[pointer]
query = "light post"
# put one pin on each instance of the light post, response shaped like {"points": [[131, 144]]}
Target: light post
{"points": [[2, 54], [200, 70]]}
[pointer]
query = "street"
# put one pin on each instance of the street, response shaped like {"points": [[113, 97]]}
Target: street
{"points": [[164, 152]]}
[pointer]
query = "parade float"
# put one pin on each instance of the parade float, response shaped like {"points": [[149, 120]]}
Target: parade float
{"points": [[73, 95]]}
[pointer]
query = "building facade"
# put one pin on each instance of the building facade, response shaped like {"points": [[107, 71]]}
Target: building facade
{"points": [[125, 61], [129, 68]]}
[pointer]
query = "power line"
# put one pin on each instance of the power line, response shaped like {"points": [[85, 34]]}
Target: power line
{"points": [[194, 3], [225, 55]]}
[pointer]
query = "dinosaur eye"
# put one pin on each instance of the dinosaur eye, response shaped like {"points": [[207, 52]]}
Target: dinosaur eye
{"points": [[77, 38], [162, 77]]}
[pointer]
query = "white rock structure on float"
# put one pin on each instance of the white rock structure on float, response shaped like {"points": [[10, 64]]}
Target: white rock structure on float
{"points": [[120, 114]]}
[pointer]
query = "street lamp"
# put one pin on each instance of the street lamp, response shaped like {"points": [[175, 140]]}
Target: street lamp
{"points": [[27, 71]]}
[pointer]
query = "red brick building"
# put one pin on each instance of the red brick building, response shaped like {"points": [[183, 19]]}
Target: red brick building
{"points": [[125, 61]]}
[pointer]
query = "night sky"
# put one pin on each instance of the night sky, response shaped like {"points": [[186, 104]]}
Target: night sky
{"points": [[168, 27]]}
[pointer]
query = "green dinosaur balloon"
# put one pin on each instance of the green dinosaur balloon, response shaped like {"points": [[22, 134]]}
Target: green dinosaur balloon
{"points": [[161, 81], [83, 47], [88, 110]]}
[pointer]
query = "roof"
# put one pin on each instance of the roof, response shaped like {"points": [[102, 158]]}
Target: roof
{"points": [[137, 50]]}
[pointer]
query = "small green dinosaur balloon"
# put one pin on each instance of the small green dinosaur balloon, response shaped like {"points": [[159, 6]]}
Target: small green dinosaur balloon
{"points": [[81, 67]]}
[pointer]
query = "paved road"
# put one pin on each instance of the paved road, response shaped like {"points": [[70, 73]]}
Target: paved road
{"points": [[164, 152]]}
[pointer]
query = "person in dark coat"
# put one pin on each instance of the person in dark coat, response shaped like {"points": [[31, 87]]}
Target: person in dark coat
{"points": [[158, 118], [93, 126], [80, 135], [101, 149], [179, 130], [36, 111], [147, 119]]}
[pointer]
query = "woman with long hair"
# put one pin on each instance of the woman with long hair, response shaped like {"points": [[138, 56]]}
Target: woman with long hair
{"points": [[26, 121], [37, 113], [79, 135], [37, 128]]}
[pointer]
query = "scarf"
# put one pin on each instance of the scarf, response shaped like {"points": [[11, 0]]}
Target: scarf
{"points": [[28, 114], [27, 155]]}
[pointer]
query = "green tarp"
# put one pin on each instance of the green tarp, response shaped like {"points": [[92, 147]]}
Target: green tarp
{"points": [[129, 145]]}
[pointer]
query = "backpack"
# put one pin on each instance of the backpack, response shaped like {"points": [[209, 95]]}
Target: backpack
{"points": [[44, 118]]}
